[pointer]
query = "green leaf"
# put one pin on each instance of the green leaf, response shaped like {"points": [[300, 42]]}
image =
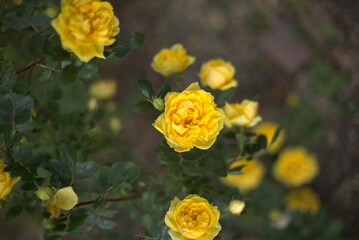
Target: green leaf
{"points": [[276, 134], [77, 219], [104, 176], [23, 103], [168, 157], [16, 21], [36, 44], [67, 154], [191, 168], [13, 212], [225, 96], [24, 127], [69, 74], [61, 170], [164, 89], [46, 75], [122, 51], [105, 223], [146, 88], [9, 79], [85, 170], [143, 106], [135, 40]]}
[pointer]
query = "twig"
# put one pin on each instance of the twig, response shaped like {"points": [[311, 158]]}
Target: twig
{"points": [[109, 200], [33, 64]]}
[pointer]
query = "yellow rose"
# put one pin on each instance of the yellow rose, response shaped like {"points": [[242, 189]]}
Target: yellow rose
{"points": [[241, 114], [193, 218], [104, 89], [236, 207], [86, 27], [191, 119], [218, 74], [252, 174], [17, 2], [303, 200], [172, 60], [295, 166], [6, 182], [268, 129], [64, 198]]}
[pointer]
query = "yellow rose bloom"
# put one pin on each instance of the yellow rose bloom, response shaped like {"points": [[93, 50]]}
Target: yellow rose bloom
{"points": [[191, 119], [241, 114], [268, 129], [252, 174], [218, 74], [236, 207], [64, 198], [104, 89], [86, 27], [6, 182], [193, 218], [295, 167], [172, 60], [303, 200]]}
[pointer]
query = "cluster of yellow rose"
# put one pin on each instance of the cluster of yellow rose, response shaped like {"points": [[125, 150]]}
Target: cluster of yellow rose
{"points": [[86, 27], [191, 118], [6, 182]]}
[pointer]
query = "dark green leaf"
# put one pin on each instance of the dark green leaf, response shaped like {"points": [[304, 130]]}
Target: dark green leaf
{"points": [[13, 212], [276, 134], [67, 154], [146, 88], [143, 106], [77, 219], [15, 21], [135, 40], [69, 74], [105, 223], [165, 88], [122, 51], [24, 127], [225, 96], [168, 157], [61, 170], [85, 170], [46, 75], [36, 44], [23, 103], [9, 79], [191, 168]]}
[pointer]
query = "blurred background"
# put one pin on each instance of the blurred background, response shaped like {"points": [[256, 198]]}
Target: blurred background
{"points": [[297, 58]]}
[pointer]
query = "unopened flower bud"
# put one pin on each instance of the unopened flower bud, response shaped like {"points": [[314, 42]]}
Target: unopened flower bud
{"points": [[159, 104]]}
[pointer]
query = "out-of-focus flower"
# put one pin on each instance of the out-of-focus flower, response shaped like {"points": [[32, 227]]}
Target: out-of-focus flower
{"points": [[241, 114], [92, 104], [218, 74], [279, 220], [268, 129], [236, 207], [44, 193], [6, 182], [172, 60], [252, 174], [17, 2], [85, 27], [292, 99], [115, 125], [295, 167], [191, 119], [64, 198], [192, 218], [51, 11], [104, 89], [302, 200]]}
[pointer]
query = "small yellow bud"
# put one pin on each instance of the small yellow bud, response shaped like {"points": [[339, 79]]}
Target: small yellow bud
{"points": [[44, 193], [92, 104], [115, 125], [51, 11], [159, 104], [65, 198], [236, 207]]}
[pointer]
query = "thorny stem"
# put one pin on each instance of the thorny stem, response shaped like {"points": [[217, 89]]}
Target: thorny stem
{"points": [[33, 64], [109, 200]]}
